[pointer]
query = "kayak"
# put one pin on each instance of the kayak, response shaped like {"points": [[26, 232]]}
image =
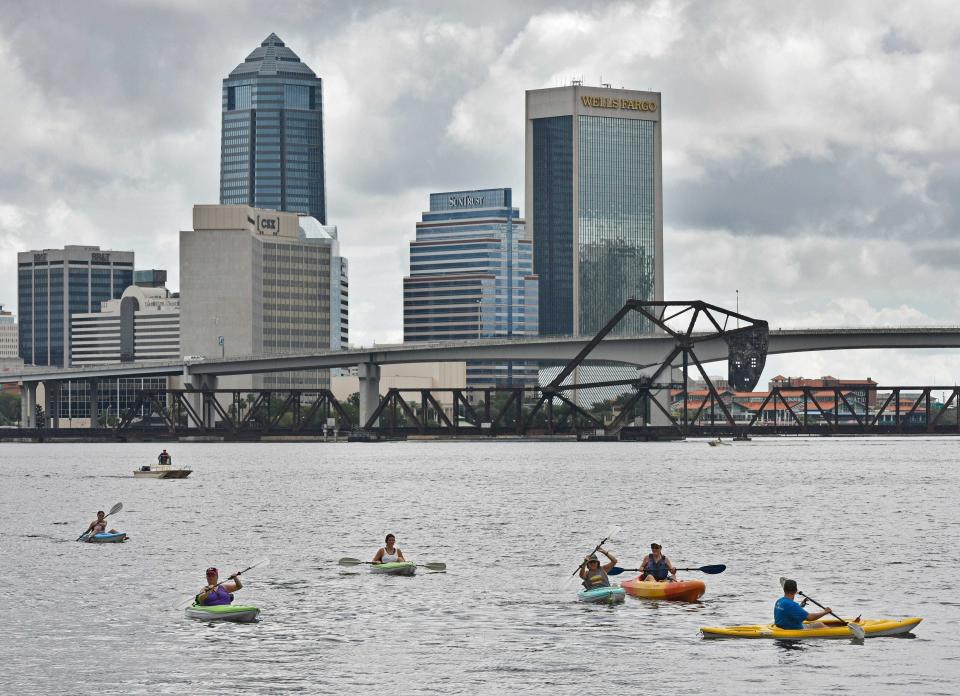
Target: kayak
{"points": [[106, 538], [682, 591], [872, 628], [395, 568], [602, 595], [223, 612]]}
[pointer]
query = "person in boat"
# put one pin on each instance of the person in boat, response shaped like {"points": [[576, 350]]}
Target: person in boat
{"points": [[389, 553], [790, 615], [657, 567], [216, 593], [594, 574], [164, 459], [99, 525]]}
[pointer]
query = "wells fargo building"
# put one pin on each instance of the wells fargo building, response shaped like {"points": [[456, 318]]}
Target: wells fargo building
{"points": [[594, 204]]}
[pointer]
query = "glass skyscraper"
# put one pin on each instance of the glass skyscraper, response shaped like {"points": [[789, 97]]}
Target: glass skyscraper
{"points": [[471, 276], [271, 149], [594, 204], [53, 284]]}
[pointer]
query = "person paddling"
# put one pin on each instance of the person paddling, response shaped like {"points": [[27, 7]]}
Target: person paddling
{"points": [[657, 567], [593, 574], [99, 525], [789, 615], [389, 553], [216, 593]]}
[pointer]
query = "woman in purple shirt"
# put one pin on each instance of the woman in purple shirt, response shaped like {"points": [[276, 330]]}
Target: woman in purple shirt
{"points": [[217, 593]]}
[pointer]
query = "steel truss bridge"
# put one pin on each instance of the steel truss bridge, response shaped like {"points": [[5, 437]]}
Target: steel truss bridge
{"points": [[654, 402]]}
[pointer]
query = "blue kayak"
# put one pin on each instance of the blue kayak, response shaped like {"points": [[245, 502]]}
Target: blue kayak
{"points": [[106, 538], [602, 595]]}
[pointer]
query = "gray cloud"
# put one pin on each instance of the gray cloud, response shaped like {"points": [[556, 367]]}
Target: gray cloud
{"points": [[805, 135]]}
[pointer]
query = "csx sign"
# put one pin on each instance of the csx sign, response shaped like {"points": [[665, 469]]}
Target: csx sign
{"points": [[271, 225]]}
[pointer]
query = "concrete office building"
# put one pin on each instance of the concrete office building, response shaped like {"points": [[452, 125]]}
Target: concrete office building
{"points": [[9, 344], [471, 276], [272, 133], [261, 282], [54, 284], [143, 325], [594, 204]]}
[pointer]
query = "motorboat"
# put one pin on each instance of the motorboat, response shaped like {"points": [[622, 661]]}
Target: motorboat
{"points": [[162, 471]]}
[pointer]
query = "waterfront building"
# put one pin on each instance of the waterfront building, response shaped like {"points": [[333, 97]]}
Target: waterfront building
{"points": [[262, 282], [272, 133], [594, 204], [9, 345], [53, 284], [151, 278], [143, 325], [471, 276]]}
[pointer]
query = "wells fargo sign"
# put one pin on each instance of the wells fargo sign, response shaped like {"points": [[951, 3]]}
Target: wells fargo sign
{"points": [[607, 103]]}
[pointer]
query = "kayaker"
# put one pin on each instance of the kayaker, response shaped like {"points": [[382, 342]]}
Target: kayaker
{"points": [[593, 574], [789, 615], [656, 566], [99, 525], [216, 593], [163, 458], [389, 553]]}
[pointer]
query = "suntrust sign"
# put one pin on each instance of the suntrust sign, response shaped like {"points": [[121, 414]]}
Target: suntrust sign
{"points": [[608, 103]]}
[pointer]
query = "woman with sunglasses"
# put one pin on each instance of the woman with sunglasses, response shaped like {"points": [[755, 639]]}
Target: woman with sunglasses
{"points": [[593, 574], [217, 593], [657, 567]]}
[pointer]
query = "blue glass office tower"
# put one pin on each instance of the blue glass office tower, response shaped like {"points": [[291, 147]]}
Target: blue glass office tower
{"points": [[471, 276], [271, 148], [52, 284], [594, 204]]}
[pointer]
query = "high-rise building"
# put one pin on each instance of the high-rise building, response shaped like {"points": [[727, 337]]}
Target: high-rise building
{"points": [[261, 282], [54, 284], [594, 204], [150, 278], [271, 153], [471, 276]]}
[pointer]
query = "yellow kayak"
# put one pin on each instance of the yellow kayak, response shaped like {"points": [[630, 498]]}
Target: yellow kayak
{"points": [[872, 628]]}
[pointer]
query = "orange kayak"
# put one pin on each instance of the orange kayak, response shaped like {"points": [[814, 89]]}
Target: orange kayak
{"points": [[683, 591]]}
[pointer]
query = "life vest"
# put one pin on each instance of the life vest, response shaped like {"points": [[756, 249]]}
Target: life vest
{"points": [[217, 597], [658, 569], [598, 578]]}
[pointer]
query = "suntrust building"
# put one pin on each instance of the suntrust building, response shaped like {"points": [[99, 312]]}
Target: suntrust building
{"points": [[594, 204]]}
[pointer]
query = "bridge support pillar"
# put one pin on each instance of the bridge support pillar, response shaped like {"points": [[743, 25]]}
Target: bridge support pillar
{"points": [[28, 405], [369, 374], [202, 406], [51, 397], [94, 401]]}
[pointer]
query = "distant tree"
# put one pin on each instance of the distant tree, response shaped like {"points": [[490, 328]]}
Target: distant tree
{"points": [[9, 408]]}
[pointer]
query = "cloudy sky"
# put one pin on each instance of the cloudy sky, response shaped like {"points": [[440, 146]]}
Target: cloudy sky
{"points": [[811, 150]]}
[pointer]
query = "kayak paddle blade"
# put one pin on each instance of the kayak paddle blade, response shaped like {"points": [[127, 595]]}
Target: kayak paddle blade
{"points": [[857, 630], [115, 509], [347, 561], [435, 566], [712, 569], [616, 570]]}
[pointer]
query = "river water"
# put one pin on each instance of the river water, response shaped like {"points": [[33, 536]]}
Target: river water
{"points": [[868, 526]]}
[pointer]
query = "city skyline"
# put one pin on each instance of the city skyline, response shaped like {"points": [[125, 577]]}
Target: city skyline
{"points": [[795, 178]]}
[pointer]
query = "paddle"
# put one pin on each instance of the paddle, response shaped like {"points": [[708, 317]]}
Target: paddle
{"points": [[347, 561], [614, 530], [114, 510], [187, 602], [708, 569], [856, 629]]}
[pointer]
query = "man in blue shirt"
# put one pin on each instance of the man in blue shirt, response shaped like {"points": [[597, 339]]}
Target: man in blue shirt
{"points": [[789, 615]]}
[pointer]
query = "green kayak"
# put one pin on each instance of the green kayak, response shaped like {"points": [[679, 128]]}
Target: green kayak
{"points": [[396, 568], [223, 612]]}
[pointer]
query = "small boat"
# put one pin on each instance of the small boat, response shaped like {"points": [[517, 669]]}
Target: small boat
{"points": [[602, 595], [162, 471], [105, 538], [717, 443], [872, 628], [237, 613], [396, 568], [681, 591]]}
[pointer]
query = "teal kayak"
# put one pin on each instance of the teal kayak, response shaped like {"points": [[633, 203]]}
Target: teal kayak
{"points": [[223, 612], [396, 568], [105, 538], [602, 595]]}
